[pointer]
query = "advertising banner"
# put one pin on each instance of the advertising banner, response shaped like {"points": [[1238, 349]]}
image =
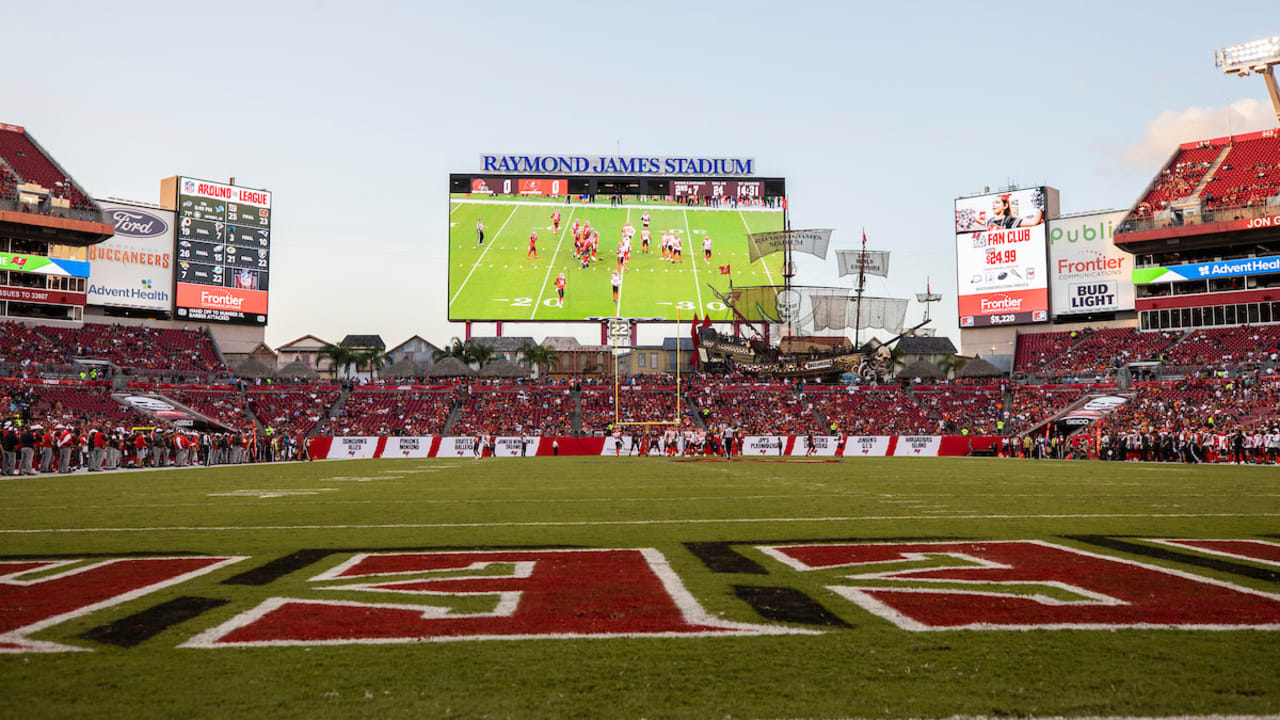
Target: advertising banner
{"points": [[40, 265], [1001, 259], [457, 447], [46, 297], [1088, 273], [764, 445], [868, 445], [133, 269], [813, 242], [917, 446], [516, 446], [407, 447], [1207, 271], [870, 262], [354, 448], [823, 445]]}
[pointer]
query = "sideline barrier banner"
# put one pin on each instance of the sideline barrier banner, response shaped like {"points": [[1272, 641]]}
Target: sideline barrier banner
{"points": [[823, 445], [917, 446], [407, 447], [869, 445], [753, 446], [515, 446], [765, 445]]}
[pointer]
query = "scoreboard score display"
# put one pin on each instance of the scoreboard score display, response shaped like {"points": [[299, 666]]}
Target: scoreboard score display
{"points": [[717, 189], [550, 187], [223, 252]]}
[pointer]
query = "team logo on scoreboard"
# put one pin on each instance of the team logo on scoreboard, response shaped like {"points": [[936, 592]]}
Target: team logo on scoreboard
{"points": [[188, 186]]}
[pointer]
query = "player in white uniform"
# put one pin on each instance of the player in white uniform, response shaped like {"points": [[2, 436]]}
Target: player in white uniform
{"points": [[706, 249], [675, 249], [616, 279]]}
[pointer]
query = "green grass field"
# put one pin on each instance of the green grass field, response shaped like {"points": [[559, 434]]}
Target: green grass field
{"points": [[497, 281], [858, 664]]}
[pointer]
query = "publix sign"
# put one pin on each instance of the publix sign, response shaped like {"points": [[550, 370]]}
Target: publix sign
{"points": [[1088, 274]]}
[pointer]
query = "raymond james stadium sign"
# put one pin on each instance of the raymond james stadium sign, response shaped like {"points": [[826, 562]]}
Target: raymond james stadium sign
{"points": [[617, 164]]}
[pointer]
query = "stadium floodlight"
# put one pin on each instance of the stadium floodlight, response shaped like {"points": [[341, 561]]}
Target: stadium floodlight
{"points": [[1259, 56]]}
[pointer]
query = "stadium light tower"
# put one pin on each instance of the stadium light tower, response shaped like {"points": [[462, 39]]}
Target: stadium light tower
{"points": [[1259, 56]]}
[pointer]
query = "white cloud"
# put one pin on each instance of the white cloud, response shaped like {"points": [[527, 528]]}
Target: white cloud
{"points": [[1170, 129]]}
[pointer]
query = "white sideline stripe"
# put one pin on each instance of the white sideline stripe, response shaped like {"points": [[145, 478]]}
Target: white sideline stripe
{"points": [[599, 523], [1073, 717], [693, 259], [477, 201], [766, 264], [537, 302], [484, 252]]}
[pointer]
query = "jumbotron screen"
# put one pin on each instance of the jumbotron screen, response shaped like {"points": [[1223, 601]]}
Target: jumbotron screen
{"points": [[586, 248], [223, 252], [1001, 258]]}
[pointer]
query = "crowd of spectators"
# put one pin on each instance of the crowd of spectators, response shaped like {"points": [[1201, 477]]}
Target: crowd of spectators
{"points": [[516, 410], [652, 404], [966, 411], [134, 346], [292, 411], [369, 411], [856, 410], [755, 409]]}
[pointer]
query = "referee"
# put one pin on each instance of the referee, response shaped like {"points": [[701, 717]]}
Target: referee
{"points": [[479, 232]]}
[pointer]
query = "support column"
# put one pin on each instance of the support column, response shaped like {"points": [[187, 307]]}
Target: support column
{"points": [[499, 328], [468, 333]]}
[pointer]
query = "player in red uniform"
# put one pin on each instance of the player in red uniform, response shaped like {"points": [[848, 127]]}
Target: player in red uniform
{"points": [[560, 283], [533, 246], [555, 220]]}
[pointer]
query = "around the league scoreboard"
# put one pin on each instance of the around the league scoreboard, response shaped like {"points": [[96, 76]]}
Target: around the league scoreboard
{"points": [[223, 252]]}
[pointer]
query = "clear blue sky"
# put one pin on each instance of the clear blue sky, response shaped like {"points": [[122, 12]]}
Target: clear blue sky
{"points": [[354, 114]]}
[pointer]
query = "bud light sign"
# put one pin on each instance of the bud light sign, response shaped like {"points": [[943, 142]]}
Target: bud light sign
{"points": [[1092, 297]]}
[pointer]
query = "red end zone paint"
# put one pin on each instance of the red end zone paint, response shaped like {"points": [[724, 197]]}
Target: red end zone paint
{"points": [[1103, 592], [30, 605], [535, 594]]}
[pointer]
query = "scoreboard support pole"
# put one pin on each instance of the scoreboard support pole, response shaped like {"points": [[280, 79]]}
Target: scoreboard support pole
{"points": [[468, 331]]}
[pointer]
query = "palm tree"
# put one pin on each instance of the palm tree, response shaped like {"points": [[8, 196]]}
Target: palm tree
{"points": [[474, 352], [897, 359], [952, 364], [339, 357], [373, 358], [455, 349], [538, 356]]}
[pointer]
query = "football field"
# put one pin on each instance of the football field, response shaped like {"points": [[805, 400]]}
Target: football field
{"points": [[498, 280], [642, 587]]}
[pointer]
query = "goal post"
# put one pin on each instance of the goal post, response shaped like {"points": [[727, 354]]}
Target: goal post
{"points": [[617, 398]]}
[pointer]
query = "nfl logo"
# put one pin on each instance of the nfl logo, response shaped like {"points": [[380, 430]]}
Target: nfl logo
{"points": [[188, 186]]}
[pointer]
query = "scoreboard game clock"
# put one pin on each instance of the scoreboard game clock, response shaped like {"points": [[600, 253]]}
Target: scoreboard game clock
{"points": [[223, 252]]}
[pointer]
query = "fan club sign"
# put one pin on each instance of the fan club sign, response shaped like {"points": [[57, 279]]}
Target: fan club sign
{"points": [[426, 596]]}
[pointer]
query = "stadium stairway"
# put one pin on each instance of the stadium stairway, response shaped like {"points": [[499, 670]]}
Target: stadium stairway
{"points": [[575, 420], [1213, 170], [185, 408], [454, 414], [335, 408]]}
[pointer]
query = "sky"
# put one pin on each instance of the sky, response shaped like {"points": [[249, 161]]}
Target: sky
{"points": [[354, 114]]}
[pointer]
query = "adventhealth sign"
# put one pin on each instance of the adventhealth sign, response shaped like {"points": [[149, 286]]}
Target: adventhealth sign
{"points": [[617, 164], [1206, 271]]}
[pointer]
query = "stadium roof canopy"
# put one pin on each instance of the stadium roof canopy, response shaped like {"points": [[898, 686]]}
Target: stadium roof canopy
{"points": [[926, 346]]}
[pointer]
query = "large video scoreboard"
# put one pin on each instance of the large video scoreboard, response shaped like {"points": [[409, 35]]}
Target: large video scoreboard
{"points": [[568, 247], [222, 252], [1002, 257]]}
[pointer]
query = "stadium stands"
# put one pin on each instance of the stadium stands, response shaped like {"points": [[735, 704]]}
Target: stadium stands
{"points": [[756, 409], [1035, 350], [973, 411], [32, 165], [82, 406], [1103, 351], [24, 345], [388, 411], [1033, 405], [1178, 179], [1249, 175], [291, 411], [139, 347], [517, 410], [870, 411], [226, 406], [647, 404]]}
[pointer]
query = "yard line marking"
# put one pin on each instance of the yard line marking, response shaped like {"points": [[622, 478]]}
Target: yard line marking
{"points": [[537, 303], [477, 201], [766, 262], [615, 523], [455, 209], [480, 259], [693, 260]]}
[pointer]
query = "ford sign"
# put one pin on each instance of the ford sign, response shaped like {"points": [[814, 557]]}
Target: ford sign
{"points": [[138, 223]]}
